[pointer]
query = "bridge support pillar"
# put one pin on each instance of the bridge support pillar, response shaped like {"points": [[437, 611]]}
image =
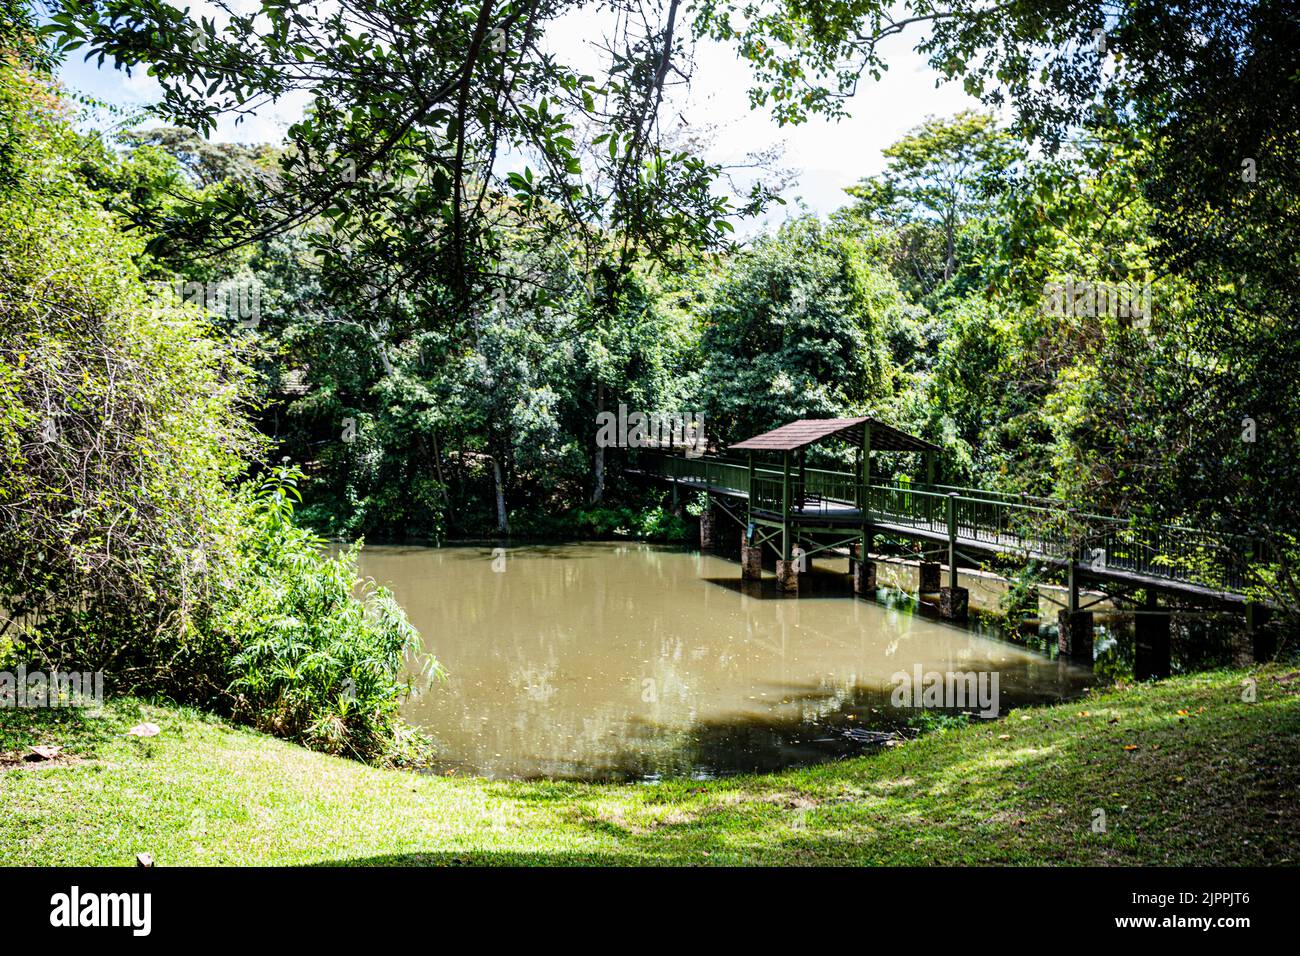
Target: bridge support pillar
{"points": [[709, 527], [751, 559], [1151, 641], [855, 555], [930, 574], [1074, 640], [1263, 643], [1151, 651], [954, 603], [787, 576], [864, 577]]}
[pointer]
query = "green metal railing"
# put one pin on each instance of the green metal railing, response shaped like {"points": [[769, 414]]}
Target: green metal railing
{"points": [[1033, 526]]}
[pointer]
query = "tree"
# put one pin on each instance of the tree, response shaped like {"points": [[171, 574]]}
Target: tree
{"points": [[937, 178], [122, 423], [795, 327], [413, 108]]}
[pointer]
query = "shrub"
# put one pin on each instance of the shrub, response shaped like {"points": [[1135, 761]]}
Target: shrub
{"points": [[646, 522], [322, 657], [122, 427]]}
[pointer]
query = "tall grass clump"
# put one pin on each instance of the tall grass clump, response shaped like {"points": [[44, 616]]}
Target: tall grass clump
{"points": [[324, 658]]}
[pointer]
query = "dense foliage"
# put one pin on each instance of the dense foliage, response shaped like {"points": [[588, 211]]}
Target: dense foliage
{"points": [[130, 541], [467, 249], [122, 421]]}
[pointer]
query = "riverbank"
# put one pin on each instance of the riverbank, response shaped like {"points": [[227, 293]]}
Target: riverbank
{"points": [[1185, 771]]}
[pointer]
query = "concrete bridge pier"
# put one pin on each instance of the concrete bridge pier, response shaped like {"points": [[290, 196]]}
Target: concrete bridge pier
{"points": [[787, 576], [930, 577], [861, 567], [710, 524], [1151, 642], [864, 577], [954, 603], [954, 600], [751, 559], [1074, 640]]}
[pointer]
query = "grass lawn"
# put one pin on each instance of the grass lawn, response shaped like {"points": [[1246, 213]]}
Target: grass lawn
{"points": [[1186, 772]]}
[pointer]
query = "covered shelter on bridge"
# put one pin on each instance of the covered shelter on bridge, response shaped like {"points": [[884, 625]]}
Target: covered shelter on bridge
{"points": [[802, 504], [864, 433]]}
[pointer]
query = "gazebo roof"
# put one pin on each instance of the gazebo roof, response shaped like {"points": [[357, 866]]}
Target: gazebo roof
{"points": [[807, 431]]}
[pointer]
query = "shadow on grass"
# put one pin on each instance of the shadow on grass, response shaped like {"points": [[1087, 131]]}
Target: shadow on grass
{"points": [[74, 728]]}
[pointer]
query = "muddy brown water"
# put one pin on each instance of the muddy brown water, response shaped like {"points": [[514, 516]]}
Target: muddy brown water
{"points": [[614, 661]]}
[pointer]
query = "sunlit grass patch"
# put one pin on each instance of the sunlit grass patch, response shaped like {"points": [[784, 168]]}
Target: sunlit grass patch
{"points": [[1211, 778]]}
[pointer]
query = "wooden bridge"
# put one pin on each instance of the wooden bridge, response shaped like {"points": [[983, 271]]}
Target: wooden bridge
{"points": [[798, 512]]}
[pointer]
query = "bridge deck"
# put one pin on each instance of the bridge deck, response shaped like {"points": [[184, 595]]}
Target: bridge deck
{"points": [[984, 525]]}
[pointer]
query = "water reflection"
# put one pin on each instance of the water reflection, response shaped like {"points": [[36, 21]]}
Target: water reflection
{"points": [[629, 661]]}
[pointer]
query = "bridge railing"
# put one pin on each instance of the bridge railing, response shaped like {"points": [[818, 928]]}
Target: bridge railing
{"points": [[1174, 552], [712, 471], [980, 494], [765, 494], [823, 491], [913, 507]]}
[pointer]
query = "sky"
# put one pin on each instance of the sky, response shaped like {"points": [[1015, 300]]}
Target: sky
{"points": [[825, 156]]}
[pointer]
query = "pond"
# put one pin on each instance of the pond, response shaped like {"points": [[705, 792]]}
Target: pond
{"points": [[614, 661]]}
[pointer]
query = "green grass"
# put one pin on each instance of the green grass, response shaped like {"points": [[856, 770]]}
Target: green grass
{"points": [[1212, 779]]}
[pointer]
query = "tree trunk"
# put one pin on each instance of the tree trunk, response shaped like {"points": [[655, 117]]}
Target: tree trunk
{"points": [[442, 478], [503, 524], [598, 488], [950, 263]]}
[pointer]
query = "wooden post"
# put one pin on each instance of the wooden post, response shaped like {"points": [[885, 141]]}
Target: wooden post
{"points": [[785, 505], [857, 479], [803, 477], [866, 462], [929, 498], [749, 489], [1074, 627], [787, 577], [952, 540], [1263, 643], [1072, 579]]}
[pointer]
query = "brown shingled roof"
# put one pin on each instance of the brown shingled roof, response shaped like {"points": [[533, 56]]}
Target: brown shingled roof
{"points": [[806, 431]]}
